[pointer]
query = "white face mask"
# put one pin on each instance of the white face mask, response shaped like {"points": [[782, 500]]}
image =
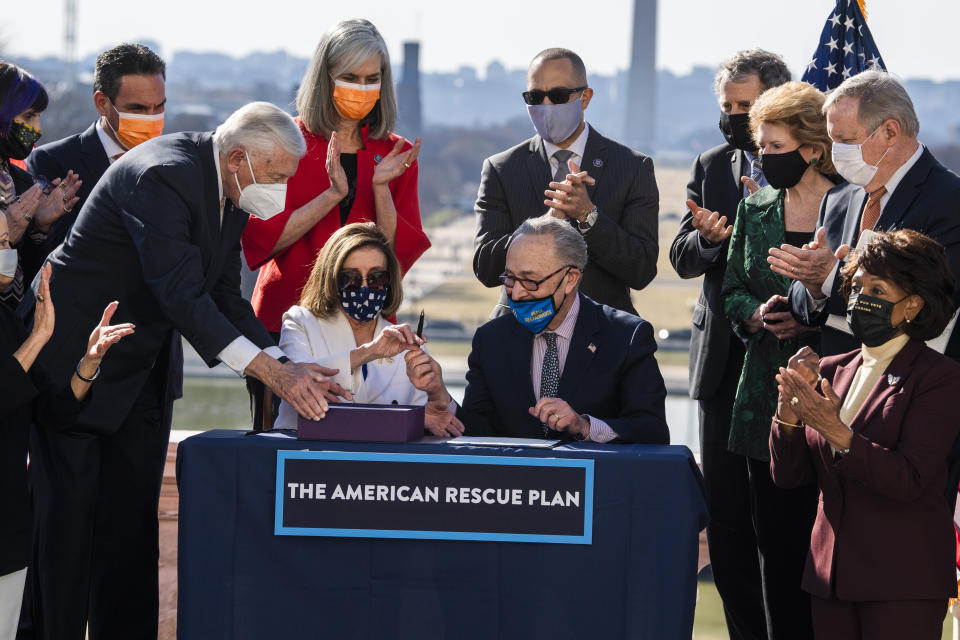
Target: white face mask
{"points": [[848, 159], [8, 262], [261, 200]]}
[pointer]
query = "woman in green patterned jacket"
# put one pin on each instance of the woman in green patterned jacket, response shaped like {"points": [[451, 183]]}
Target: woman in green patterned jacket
{"points": [[791, 134]]}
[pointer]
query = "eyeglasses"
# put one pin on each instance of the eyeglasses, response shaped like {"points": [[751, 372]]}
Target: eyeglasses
{"points": [[557, 95], [530, 285], [376, 280]]}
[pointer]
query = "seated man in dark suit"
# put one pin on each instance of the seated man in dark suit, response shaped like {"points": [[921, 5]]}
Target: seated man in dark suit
{"points": [[893, 182], [561, 365], [129, 94], [615, 207]]}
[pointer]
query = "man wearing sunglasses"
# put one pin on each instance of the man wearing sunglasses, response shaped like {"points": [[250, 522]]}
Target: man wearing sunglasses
{"points": [[604, 190], [561, 366]]}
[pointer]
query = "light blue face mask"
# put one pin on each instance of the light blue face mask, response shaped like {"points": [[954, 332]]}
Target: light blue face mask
{"points": [[8, 262], [535, 314], [556, 122]]}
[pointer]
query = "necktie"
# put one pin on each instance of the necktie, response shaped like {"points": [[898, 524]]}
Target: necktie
{"points": [[550, 372], [871, 212], [561, 156]]}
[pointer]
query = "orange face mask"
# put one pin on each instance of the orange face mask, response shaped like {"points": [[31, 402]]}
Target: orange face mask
{"points": [[136, 128], [355, 101]]}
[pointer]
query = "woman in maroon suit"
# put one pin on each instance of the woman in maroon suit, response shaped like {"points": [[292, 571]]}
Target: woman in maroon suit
{"points": [[876, 438]]}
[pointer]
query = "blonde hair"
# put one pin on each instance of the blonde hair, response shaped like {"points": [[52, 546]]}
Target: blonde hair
{"points": [[320, 294], [798, 107], [341, 49]]}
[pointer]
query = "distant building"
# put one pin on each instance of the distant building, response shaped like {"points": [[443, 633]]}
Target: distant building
{"points": [[408, 93], [642, 80]]}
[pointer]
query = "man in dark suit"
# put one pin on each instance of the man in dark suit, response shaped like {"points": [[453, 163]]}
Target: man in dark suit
{"points": [[716, 353], [128, 80], [613, 203], [160, 233], [561, 365], [893, 181]]}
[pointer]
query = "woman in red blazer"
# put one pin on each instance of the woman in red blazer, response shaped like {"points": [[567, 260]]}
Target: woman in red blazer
{"points": [[876, 438], [355, 170]]}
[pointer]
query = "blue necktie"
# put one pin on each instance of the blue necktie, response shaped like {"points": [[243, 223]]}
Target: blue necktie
{"points": [[550, 372]]}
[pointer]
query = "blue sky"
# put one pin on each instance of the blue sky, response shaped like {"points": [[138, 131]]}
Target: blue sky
{"points": [[916, 39]]}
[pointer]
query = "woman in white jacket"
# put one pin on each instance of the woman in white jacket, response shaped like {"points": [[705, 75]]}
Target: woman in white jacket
{"points": [[341, 323]]}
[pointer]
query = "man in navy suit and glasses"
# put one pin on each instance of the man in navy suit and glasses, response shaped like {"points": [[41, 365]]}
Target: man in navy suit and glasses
{"points": [[561, 365]]}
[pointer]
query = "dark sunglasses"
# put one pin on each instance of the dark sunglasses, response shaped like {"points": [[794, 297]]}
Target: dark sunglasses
{"points": [[557, 95], [530, 285], [376, 280]]}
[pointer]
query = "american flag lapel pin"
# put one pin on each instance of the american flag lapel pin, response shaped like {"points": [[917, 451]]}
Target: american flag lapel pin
{"points": [[592, 347]]}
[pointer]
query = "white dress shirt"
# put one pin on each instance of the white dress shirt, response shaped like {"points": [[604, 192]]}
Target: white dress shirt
{"points": [[110, 146], [328, 342], [577, 147], [240, 353]]}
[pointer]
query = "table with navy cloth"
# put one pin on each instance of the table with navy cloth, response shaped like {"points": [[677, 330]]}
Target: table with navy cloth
{"points": [[239, 581]]}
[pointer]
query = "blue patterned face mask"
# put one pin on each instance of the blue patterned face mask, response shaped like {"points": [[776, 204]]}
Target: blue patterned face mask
{"points": [[536, 314], [362, 304]]}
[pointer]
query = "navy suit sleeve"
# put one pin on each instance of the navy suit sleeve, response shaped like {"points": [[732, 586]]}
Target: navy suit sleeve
{"points": [[476, 411], [685, 254], [494, 227], [629, 248], [229, 300], [801, 308], [158, 220], [42, 163], [642, 417]]}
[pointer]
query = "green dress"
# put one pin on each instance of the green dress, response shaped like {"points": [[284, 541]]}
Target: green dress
{"points": [[748, 283]]}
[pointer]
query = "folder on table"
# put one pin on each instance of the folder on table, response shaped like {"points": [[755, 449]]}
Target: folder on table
{"points": [[358, 422]]}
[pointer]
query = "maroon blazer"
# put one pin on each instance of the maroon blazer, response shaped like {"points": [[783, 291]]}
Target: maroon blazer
{"points": [[884, 530]]}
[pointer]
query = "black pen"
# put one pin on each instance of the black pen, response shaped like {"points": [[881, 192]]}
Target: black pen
{"points": [[420, 325]]}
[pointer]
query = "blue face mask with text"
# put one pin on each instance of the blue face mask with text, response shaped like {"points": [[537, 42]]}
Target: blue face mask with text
{"points": [[535, 314]]}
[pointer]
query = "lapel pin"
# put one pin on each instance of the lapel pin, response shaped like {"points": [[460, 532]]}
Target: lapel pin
{"points": [[592, 347], [597, 162], [377, 158], [892, 379]]}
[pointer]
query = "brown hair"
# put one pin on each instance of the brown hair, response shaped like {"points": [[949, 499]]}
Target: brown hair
{"points": [[918, 265], [797, 106], [320, 294]]}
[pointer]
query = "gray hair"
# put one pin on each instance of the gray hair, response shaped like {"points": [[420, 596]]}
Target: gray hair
{"points": [[568, 244], [259, 128], [881, 97], [341, 49], [770, 67]]}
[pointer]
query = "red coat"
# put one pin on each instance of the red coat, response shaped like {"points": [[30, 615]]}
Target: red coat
{"points": [[884, 530], [282, 277]]}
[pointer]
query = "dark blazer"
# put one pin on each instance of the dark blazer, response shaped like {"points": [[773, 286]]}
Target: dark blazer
{"points": [[884, 530], [28, 397], [622, 245], [715, 185], [610, 373], [926, 200], [84, 154], [150, 236]]}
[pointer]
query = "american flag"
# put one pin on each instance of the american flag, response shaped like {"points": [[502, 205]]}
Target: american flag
{"points": [[846, 48]]}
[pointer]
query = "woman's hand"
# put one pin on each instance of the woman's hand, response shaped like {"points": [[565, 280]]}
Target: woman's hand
{"points": [[339, 187], [21, 211], [395, 163], [440, 422], [43, 315], [391, 341], [806, 362], [780, 323], [819, 412], [104, 336], [59, 201], [754, 323], [426, 375]]}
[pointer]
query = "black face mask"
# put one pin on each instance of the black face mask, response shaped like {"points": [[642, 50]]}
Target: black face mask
{"points": [[783, 170], [869, 319], [18, 143], [736, 129]]}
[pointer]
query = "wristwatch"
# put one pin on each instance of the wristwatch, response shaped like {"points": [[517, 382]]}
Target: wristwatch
{"points": [[588, 221]]}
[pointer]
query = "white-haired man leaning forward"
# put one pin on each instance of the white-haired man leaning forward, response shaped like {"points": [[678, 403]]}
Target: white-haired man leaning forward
{"points": [[160, 233]]}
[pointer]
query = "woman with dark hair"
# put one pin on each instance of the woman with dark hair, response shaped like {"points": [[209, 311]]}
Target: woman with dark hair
{"points": [[876, 439], [29, 205], [341, 323]]}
